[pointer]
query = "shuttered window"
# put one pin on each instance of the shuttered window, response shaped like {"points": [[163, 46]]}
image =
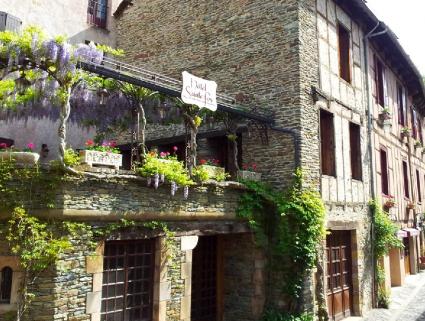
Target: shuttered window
{"points": [[418, 183], [381, 85], [401, 102], [327, 141], [344, 53], [406, 180], [384, 172], [355, 152]]}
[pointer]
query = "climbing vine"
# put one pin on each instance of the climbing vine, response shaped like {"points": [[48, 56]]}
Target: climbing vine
{"points": [[385, 238], [290, 226]]}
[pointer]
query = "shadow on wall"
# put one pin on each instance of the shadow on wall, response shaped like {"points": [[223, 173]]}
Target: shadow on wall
{"points": [[97, 35], [44, 130]]}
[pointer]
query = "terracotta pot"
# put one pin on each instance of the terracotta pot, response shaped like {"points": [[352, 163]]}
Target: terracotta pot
{"points": [[422, 259], [21, 158]]}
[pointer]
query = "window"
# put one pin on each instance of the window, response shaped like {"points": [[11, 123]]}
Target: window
{"points": [[416, 125], [97, 12], [418, 182], [384, 172], [355, 152], [381, 85], [406, 180], [5, 284], [128, 274], [327, 143], [344, 53], [401, 102]]}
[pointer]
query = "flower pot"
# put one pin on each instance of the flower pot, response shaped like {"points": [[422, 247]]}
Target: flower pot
{"points": [[101, 159], [249, 175], [21, 158], [213, 171], [422, 259], [410, 206]]}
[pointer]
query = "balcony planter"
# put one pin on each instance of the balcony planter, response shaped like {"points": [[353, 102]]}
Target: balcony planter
{"points": [[385, 115], [389, 202], [101, 159], [249, 175], [213, 171], [405, 132], [417, 145], [21, 158], [410, 206]]}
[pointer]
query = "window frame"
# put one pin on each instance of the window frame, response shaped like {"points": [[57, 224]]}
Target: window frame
{"points": [[401, 105], [97, 13], [418, 185], [380, 82], [344, 52], [406, 187], [385, 181], [355, 152], [327, 149]]}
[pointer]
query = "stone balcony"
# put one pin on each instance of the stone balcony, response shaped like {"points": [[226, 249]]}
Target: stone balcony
{"points": [[111, 197]]}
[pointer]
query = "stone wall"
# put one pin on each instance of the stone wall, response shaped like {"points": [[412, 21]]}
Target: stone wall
{"points": [[112, 197], [261, 52]]}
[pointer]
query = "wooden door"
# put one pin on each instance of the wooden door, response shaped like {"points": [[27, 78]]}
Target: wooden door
{"points": [[406, 255], [204, 306], [339, 275]]}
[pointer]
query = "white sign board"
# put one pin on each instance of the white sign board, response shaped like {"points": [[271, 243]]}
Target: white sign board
{"points": [[199, 92]]}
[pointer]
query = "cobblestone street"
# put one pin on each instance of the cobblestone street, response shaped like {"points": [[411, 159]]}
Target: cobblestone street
{"points": [[407, 302]]}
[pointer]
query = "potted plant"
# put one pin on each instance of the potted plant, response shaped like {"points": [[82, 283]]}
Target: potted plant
{"points": [[212, 167], [104, 155], [405, 132], [389, 201], [410, 206], [249, 172], [157, 170], [417, 144], [385, 115], [24, 157]]}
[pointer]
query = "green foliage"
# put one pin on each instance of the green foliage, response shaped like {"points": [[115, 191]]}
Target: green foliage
{"points": [[275, 315], [71, 158], [171, 168], [37, 243], [16, 185], [385, 231], [290, 225], [221, 176], [383, 297], [200, 174], [112, 51]]}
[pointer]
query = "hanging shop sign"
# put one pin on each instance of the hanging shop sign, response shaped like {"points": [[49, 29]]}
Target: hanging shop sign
{"points": [[199, 92]]}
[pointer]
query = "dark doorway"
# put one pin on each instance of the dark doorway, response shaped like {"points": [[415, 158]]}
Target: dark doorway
{"points": [[128, 277], [339, 274], [205, 279]]}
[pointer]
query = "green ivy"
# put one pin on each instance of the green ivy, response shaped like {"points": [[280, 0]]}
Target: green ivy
{"points": [[289, 225], [385, 231], [385, 238]]}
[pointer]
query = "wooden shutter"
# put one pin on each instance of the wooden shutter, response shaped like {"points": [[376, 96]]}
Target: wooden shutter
{"points": [[384, 172]]}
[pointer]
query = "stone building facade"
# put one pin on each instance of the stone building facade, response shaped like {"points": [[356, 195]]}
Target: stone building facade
{"points": [[309, 64], [272, 54]]}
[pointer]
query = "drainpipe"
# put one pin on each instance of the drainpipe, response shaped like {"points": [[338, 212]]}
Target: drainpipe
{"points": [[366, 39]]}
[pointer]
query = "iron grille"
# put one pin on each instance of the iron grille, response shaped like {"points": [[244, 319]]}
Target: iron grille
{"points": [[128, 281], [97, 13]]}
